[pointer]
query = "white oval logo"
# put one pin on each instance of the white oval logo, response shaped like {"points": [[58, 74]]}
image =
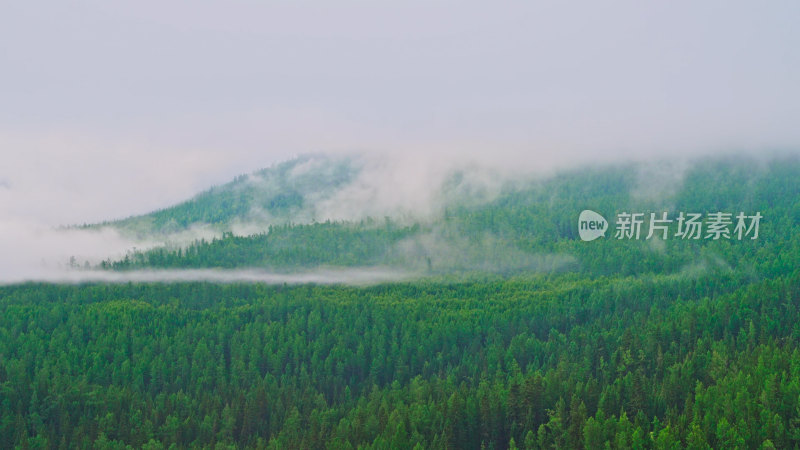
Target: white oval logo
{"points": [[591, 225]]}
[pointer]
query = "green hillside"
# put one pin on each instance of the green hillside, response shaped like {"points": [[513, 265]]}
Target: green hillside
{"points": [[514, 334], [534, 228], [282, 193]]}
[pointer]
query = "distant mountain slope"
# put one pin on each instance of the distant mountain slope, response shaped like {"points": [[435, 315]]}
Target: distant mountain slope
{"points": [[534, 228], [279, 194]]}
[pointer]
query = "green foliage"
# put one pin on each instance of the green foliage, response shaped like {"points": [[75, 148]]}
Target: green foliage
{"points": [[535, 229], [630, 345], [545, 360], [282, 247], [279, 193]]}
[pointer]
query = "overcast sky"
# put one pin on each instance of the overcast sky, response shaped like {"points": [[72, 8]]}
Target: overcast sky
{"points": [[113, 108]]}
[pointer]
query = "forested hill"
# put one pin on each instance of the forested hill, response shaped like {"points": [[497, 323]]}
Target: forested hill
{"points": [[533, 227], [285, 192], [609, 343], [564, 362]]}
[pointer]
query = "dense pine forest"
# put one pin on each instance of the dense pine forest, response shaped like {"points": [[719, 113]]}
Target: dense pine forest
{"points": [[513, 333]]}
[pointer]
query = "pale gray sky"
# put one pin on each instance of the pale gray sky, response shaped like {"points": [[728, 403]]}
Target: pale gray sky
{"points": [[114, 108]]}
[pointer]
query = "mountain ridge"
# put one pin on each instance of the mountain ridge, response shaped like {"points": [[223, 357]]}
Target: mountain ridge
{"points": [[530, 227]]}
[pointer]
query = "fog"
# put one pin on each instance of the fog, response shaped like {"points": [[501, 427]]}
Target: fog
{"points": [[350, 276], [116, 109]]}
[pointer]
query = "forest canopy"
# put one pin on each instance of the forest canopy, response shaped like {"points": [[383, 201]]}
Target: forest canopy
{"points": [[516, 334]]}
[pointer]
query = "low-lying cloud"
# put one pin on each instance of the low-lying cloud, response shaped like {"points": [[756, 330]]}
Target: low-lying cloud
{"points": [[404, 187], [31, 250], [117, 111], [350, 276]]}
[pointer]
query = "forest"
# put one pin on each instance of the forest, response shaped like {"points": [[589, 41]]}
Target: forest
{"points": [[514, 334]]}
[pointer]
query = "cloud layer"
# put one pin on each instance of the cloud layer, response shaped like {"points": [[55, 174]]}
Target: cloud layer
{"points": [[111, 109]]}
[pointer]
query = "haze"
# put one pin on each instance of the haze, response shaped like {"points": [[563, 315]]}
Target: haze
{"points": [[111, 109]]}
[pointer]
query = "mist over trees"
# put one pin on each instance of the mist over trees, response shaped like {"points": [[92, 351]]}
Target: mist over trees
{"points": [[530, 226], [515, 333]]}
